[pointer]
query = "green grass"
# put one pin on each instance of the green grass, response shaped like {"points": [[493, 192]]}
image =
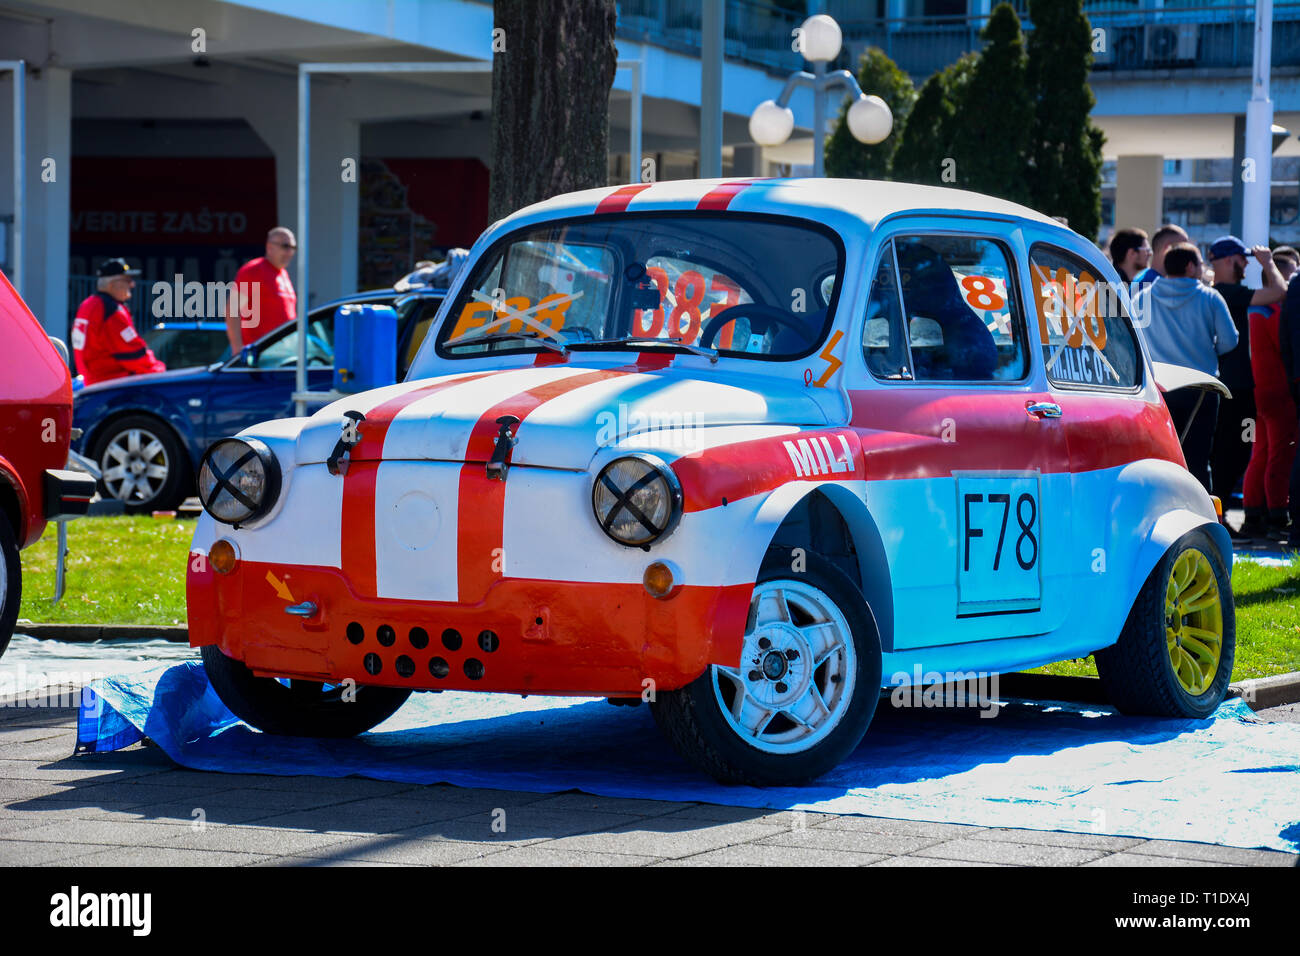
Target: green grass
{"points": [[128, 570], [132, 571]]}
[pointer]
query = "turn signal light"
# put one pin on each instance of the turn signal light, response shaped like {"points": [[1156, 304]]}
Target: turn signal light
{"points": [[1218, 505], [223, 556], [658, 580]]}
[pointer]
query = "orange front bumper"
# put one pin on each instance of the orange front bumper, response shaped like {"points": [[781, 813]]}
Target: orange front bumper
{"points": [[527, 636]]}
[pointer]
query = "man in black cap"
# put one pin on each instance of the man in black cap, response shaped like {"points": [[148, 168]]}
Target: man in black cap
{"points": [[1234, 433], [105, 343]]}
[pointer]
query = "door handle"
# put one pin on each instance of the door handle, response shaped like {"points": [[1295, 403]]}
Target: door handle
{"points": [[1041, 410]]}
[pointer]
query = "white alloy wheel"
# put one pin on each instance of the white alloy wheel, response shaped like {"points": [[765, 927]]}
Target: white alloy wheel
{"points": [[135, 465], [797, 670]]}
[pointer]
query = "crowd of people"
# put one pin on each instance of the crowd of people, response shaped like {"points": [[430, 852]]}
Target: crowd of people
{"points": [[1199, 314]]}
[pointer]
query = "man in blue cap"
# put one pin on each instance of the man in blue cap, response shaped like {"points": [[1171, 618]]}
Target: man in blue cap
{"points": [[1235, 429]]}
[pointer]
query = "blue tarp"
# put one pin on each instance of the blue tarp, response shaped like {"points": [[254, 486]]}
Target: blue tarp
{"points": [[1228, 780]]}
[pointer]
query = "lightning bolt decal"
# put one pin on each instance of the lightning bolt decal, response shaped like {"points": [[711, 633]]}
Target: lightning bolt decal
{"points": [[833, 363]]}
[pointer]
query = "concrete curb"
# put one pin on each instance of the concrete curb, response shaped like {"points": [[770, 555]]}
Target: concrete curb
{"points": [[82, 633], [1262, 692]]}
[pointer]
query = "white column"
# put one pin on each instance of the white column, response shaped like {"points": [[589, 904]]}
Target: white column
{"points": [[49, 180], [1139, 192], [1258, 190]]}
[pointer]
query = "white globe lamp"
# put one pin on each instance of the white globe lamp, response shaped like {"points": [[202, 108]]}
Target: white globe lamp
{"points": [[870, 119], [771, 125], [822, 39]]}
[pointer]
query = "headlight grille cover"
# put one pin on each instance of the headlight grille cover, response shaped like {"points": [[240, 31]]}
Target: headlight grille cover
{"points": [[637, 500], [239, 480]]}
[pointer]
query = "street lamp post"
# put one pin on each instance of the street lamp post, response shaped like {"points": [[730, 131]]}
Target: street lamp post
{"points": [[870, 119]]}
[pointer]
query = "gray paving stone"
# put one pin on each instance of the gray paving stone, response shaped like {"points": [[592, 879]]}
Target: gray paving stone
{"points": [[182, 813], [477, 796], [626, 805], [715, 813], [237, 839], [269, 800], [858, 841], [767, 853], [63, 771], [541, 855], [125, 793], [19, 853], [10, 736], [668, 837], [399, 848], [102, 832], [890, 827], [49, 748], [1092, 841], [162, 856], [537, 821], [369, 816], [931, 861], [297, 861], [1022, 854], [1129, 858], [1210, 853]]}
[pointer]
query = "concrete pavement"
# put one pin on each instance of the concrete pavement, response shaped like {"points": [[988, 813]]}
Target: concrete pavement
{"points": [[135, 807]]}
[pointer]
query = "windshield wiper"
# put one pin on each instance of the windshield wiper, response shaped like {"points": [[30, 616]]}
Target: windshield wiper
{"points": [[504, 336], [710, 354]]}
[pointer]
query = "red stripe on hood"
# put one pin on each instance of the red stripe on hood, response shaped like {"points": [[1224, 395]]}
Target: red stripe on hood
{"points": [[480, 524]]}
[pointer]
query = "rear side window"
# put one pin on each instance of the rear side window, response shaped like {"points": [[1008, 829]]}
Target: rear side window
{"points": [[884, 343], [1087, 337], [962, 320]]}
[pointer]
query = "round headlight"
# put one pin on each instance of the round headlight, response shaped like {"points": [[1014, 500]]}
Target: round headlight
{"points": [[239, 480], [637, 500]]}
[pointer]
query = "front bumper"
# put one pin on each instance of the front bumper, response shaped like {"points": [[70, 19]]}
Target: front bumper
{"points": [[526, 636]]}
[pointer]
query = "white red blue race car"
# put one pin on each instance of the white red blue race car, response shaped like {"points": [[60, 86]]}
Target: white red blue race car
{"points": [[738, 448]]}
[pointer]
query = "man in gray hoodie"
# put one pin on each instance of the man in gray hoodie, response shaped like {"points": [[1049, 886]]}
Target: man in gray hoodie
{"points": [[1187, 323]]}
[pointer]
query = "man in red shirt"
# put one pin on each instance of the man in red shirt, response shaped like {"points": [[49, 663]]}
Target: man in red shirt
{"points": [[264, 298], [105, 343]]}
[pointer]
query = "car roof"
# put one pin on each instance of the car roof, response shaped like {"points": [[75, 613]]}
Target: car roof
{"points": [[869, 200]]}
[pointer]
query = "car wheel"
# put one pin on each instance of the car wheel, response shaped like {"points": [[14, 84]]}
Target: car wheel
{"points": [[1174, 656], [143, 464], [300, 708], [11, 582], [805, 690]]}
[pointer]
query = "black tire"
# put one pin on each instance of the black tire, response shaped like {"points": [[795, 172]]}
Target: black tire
{"points": [[175, 487], [304, 709], [693, 717], [1138, 671], [11, 581]]}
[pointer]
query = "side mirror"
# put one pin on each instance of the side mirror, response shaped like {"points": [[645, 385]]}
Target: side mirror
{"points": [[248, 356]]}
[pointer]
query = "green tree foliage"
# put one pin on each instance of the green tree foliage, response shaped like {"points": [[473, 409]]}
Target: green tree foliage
{"points": [[846, 157], [1065, 146], [993, 118], [928, 137]]}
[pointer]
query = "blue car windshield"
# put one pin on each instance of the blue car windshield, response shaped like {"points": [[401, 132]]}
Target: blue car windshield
{"points": [[746, 286]]}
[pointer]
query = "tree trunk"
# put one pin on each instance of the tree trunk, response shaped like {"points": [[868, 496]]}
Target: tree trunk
{"points": [[550, 99]]}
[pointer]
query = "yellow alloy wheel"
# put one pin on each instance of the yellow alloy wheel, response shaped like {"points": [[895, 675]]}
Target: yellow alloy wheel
{"points": [[1193, 621]]}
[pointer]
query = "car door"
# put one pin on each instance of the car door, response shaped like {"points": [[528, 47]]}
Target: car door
{"points": [[1095, 371], [967, 467], [258, 386]]}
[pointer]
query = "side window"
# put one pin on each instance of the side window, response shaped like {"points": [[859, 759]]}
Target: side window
{"points": [[1086, 333], [962, 323], [282, 352], [884, 343]]}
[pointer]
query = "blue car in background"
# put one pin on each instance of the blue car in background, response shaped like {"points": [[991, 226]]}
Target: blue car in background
{"points": [[147, 432]]}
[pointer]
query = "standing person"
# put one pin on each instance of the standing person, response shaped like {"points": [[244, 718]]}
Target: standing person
{"points": [[1264, 489], [1232, 436], [1130, 252], [270, 301], [1164, 239], [105, 344], [1188, 324]]}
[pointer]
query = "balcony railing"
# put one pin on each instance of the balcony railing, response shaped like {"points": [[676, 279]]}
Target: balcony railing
{"points": [[1184, 34]]}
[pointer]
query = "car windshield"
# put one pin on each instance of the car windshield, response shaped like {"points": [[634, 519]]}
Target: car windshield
{"points": [[751, 287]]}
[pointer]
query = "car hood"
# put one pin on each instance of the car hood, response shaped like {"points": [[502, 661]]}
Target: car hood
{"points": [[568, 412], [176, 377]]}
